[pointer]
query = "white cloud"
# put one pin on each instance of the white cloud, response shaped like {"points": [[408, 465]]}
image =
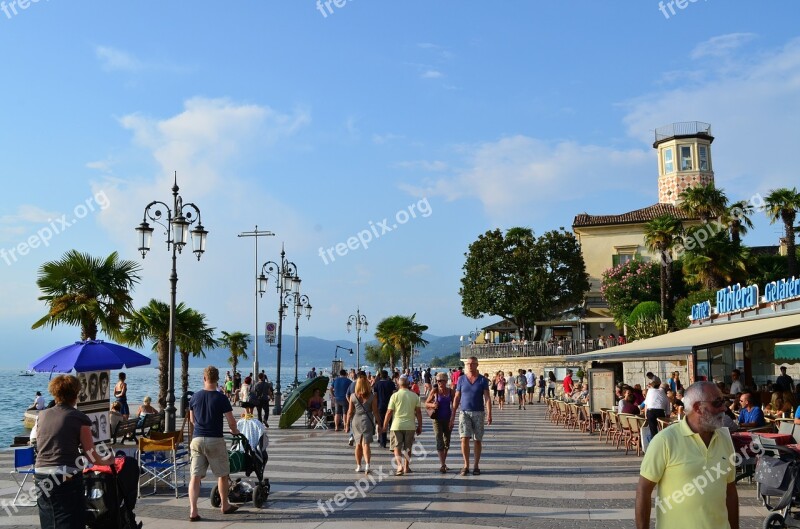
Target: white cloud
{"points": [[104, 166], [432, 74], [114, 60], [380, 139], [721, 45], [28, 214], [423, 165]]}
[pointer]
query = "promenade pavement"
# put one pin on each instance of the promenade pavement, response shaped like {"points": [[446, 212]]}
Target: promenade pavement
{"points": [[534, 475]]}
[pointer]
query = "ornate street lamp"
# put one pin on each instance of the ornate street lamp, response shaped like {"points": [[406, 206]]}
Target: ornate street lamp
{"points": [[301, 306], [177, 222], [287, 283], [259, 291], [360, 322]]}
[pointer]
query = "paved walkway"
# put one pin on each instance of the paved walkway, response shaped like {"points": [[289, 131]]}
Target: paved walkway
{"points": [[534, 475]]}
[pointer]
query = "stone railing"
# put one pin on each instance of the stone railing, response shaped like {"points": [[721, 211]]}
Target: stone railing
{"points": [[513, 350]]}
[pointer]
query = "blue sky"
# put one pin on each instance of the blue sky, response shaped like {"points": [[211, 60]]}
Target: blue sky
{"points": [[480, 115]]}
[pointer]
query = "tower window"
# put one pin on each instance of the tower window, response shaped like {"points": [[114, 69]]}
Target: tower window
{"points": [[686, 157], [702, 152], [669, 163]]}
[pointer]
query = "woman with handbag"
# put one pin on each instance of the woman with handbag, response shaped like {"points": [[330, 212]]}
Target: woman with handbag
{"points": [[361, 415], [439, 405]]}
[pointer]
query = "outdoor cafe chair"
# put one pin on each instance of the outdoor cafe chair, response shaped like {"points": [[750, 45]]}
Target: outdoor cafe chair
{"points": [[624, 429], [162, 459], [574, 418], [613, 428], [634, 439], [24, 461], [786, 426]]}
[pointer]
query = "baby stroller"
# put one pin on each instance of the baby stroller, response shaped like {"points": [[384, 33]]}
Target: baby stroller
{"points": [[777, 476], [111, 495], [245, 458]]}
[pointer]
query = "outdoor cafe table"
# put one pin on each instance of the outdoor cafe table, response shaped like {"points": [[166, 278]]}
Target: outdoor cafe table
{"points": [[744, 439]]}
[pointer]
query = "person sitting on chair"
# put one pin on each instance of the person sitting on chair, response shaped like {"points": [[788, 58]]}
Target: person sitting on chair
{"points": [[144, 409], [750, 416], [315, 404]]}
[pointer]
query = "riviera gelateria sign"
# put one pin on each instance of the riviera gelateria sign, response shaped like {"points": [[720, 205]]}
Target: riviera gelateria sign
{"points": [[736, 298]]}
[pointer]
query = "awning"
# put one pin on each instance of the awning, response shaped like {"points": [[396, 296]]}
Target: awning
{"points": [[681, 343], [787, 350]]}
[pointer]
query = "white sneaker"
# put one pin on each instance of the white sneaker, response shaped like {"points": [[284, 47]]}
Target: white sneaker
{"points": [[366, 468], [358, 468], [351, 441]]}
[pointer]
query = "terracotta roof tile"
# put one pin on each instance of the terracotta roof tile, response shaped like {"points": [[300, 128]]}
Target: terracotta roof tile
{"points": [[637, 216]]}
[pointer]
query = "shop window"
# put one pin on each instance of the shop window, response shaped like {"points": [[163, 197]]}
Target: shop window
{"points": [[686, 157]]}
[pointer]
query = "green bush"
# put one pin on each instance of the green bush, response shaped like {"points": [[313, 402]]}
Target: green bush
{"points": [[645, 328], [683, 308], [646, 310], [626, 285]]}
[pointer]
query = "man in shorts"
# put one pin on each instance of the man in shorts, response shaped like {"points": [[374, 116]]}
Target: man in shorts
{"points": [[206, 410], [530, 385], [404, 408], [522, 384], [472, 395], [339, 393]]}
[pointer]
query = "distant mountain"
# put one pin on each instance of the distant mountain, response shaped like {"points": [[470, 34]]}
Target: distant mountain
{"points": [[318, 352]]}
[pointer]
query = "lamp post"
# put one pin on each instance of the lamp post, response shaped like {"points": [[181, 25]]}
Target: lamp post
{"points": [[301, 304], [285, 275], [255, 234], [178, 219], [360, 322]]}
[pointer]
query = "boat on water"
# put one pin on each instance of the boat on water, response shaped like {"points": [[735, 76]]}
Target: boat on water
{"points": [[27, 373]]}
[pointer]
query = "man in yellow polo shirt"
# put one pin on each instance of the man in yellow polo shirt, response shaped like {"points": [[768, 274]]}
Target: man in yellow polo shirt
{"points": [[693, 464], [405, 416]]}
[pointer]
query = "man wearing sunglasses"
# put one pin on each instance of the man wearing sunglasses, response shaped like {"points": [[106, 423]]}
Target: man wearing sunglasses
{"points": [[750, 416], [691, 462]]}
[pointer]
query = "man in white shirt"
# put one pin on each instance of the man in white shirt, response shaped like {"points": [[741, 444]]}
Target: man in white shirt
{"points": [[656, 403], [530, 382], [38, 402], [736, 386]]}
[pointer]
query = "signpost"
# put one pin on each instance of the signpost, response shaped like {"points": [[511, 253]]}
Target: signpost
{"points": [[601, 389], [269, 332]]}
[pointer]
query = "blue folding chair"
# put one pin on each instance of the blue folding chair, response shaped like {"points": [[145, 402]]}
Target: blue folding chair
{"points": [[24, 460]]}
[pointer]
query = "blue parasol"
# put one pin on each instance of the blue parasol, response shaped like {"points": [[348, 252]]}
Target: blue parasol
{"points": [[91, 355]]}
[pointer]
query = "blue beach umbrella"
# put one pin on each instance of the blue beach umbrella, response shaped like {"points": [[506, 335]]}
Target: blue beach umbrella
{"points": [[91, 355]]}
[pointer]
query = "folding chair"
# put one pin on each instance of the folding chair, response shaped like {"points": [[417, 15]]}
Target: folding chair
{"points": [[161, 459], [24, 460]]}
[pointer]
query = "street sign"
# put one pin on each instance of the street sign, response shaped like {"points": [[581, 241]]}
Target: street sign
{"points": [[269, 332]]}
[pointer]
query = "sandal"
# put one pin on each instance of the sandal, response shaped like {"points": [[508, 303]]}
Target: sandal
{"points": [[232, 509], [399, 472], [443, 469], [195, 518], [476, 472], [464, 472]]}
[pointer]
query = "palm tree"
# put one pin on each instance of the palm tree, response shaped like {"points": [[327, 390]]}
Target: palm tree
{"points": [[704, 202], [151, 323], [400, 334], [737, 217], [661, 235], [192, 336], [714, 263], [90, 292], [237, 342], [783, 204]]}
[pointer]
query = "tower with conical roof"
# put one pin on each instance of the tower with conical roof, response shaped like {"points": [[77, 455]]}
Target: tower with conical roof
{"points": [[684, 158]]}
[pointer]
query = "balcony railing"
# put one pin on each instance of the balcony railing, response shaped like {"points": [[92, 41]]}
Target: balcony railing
{"points": [[685, 128], [532, 349]]}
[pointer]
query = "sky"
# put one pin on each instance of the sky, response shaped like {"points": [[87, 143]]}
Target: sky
{"points": [[377, 140]]}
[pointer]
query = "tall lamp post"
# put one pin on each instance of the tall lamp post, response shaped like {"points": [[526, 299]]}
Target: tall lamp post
{"points": [[178, 219], [360, 322], [288, 283], [301, 305], [255, 234]]}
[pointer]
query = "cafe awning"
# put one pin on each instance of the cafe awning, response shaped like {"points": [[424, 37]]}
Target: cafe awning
{"points": [[681, 343], [787, 351]]}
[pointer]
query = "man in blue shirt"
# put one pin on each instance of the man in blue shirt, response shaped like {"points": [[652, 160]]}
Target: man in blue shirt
{"points": [[383, 389], [339, 393], [472, 395], [206, 411], [750, 416]]}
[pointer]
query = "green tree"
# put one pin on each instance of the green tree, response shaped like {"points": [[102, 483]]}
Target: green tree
{"points": [[737, 217], [661, 235], [90, 292], [400, 334], [453, 360], [237, 343], [705, 202], [626, 285], [151, 324], [683, 308], [192, 337], [523, 278], [377, 355], [713, 261], [646, 310], [783, 204]]}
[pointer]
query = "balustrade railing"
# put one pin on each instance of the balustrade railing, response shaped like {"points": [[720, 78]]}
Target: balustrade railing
{"points": [[531, 349]]}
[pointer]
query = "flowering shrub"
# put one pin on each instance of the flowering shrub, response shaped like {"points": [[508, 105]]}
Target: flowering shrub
{"points": [[625, 286]]}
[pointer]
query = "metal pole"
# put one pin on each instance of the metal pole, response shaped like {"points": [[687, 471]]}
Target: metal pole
{"points": [[276, 410], [173, 290], [296, 338], [358, 343], [256, 234]]}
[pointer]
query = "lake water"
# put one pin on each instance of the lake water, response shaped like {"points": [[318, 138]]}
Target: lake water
{"points": [[17, 393]]}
